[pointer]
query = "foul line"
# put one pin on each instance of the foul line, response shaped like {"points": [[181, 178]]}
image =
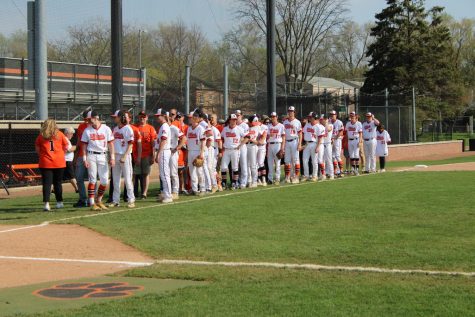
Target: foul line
{"points": [[311, 267], [316, 267], [128, 263], [25, 228]]}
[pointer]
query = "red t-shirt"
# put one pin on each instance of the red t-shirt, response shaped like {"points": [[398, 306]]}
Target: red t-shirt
{"points": [[51, 152], [79, 131], [137, 138]]}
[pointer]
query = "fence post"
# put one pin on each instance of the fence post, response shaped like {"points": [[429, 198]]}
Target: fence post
{"points": [[414, 113], [386, 106]]}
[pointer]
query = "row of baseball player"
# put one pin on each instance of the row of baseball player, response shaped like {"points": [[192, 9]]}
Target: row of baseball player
{"points": [[243, 145]]}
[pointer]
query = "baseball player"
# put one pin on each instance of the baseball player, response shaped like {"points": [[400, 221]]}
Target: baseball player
{"points": [[354, 132], [321, 133], [196, 143], [369, 137], [337, 138], [293, 144], [383, 139], [98, 142], [312, 141], [261, 153], [80, 168], [276, 141], [327, 147], [233, 139], [163, 155], [209, 139], [243, 168], [123, 143], [216, 148], [255, 135], [177, 142], [182, 156]]}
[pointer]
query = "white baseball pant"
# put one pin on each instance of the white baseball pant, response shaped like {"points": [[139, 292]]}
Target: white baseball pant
{"points": [[175, 180], [196, 173], [261, 155], [211, 166], [252, 161], [273, 162], [164, 167], [328, 159], [98, 166], [206, 173], [230, 156], [292, 152], [123, 170], [320, 154], [336, 150], [370, 155], [353, 149], [309, 153], [243, 166]]}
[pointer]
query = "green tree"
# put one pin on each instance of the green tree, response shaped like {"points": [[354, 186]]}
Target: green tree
{"points": [[413, 48]]}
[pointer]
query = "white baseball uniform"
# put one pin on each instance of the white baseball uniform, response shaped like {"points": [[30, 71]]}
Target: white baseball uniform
{"points": [[206, 156], [175, 137], [337, 139], [275, 137], [243, 177], [97, 140], [353, 132], [369, 137], [311, 139], [292, 130], [164, 157], [255, 132], [327, 149], [195, 136], [123, 136], [320, 149], [262, 148], [232, 138], [382, 146]]}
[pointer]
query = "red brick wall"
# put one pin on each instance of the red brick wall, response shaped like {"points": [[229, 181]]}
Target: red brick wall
{"points": [[425, 151]]}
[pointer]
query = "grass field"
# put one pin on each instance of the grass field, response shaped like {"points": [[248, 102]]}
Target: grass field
{"points": [[392, 220]]}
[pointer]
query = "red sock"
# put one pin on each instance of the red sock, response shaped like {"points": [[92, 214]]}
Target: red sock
{"points": [[91, 190], [322, 168], [100, 192], [287, 168], [297, 170]]}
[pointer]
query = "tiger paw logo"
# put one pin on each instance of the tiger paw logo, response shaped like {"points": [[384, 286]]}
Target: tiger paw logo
{"points": [[88, 290]]}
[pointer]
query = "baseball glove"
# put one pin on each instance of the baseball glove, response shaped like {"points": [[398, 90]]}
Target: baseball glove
{"points": [[280, 155], [198, 162]]}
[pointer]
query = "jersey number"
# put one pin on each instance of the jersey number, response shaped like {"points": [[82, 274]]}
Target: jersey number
{"points": [[51, 146]]}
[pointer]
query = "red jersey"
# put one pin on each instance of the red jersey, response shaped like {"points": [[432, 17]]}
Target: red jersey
{"points": [[51, 152], [79, 131]]}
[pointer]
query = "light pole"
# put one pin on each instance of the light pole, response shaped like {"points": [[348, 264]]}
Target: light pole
{"points": [[142, 91]]}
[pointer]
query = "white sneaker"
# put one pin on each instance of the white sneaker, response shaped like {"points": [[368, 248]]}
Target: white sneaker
{"points": [[46, 207], [383, 170], [175, 196], [59, 205], [332, 177], [264, 184], [314, 179], [296, 180], [253, 185], [243, 186], [167, 201]]}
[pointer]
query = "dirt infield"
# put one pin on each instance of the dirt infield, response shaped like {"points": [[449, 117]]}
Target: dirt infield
{"points": [[469, 166], [48, 253]]}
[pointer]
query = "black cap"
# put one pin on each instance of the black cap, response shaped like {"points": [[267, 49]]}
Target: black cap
{"points": [[84, 114], [92, 114], [142, 114], [179, 114]]}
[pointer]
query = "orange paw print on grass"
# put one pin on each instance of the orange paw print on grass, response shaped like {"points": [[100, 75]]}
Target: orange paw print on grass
{"points": [[88, 290]]}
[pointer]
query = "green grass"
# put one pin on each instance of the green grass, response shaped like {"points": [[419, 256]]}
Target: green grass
{"points": [[393, 220], [270, 292]]}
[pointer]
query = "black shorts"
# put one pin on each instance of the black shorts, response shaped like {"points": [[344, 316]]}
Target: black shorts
{"points": [[69, 171]]}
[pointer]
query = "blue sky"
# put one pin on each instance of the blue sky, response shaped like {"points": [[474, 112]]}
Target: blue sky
{"points": [[215, 17]]}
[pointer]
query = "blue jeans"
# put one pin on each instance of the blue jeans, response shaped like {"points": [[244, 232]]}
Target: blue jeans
{"points": [[81, 172]]}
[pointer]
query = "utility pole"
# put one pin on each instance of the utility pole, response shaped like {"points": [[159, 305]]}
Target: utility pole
{"points": [[414, 114], [41, 61], [187, 89], [116, 58], [270, 35], [142, 90], [226, 92]]}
